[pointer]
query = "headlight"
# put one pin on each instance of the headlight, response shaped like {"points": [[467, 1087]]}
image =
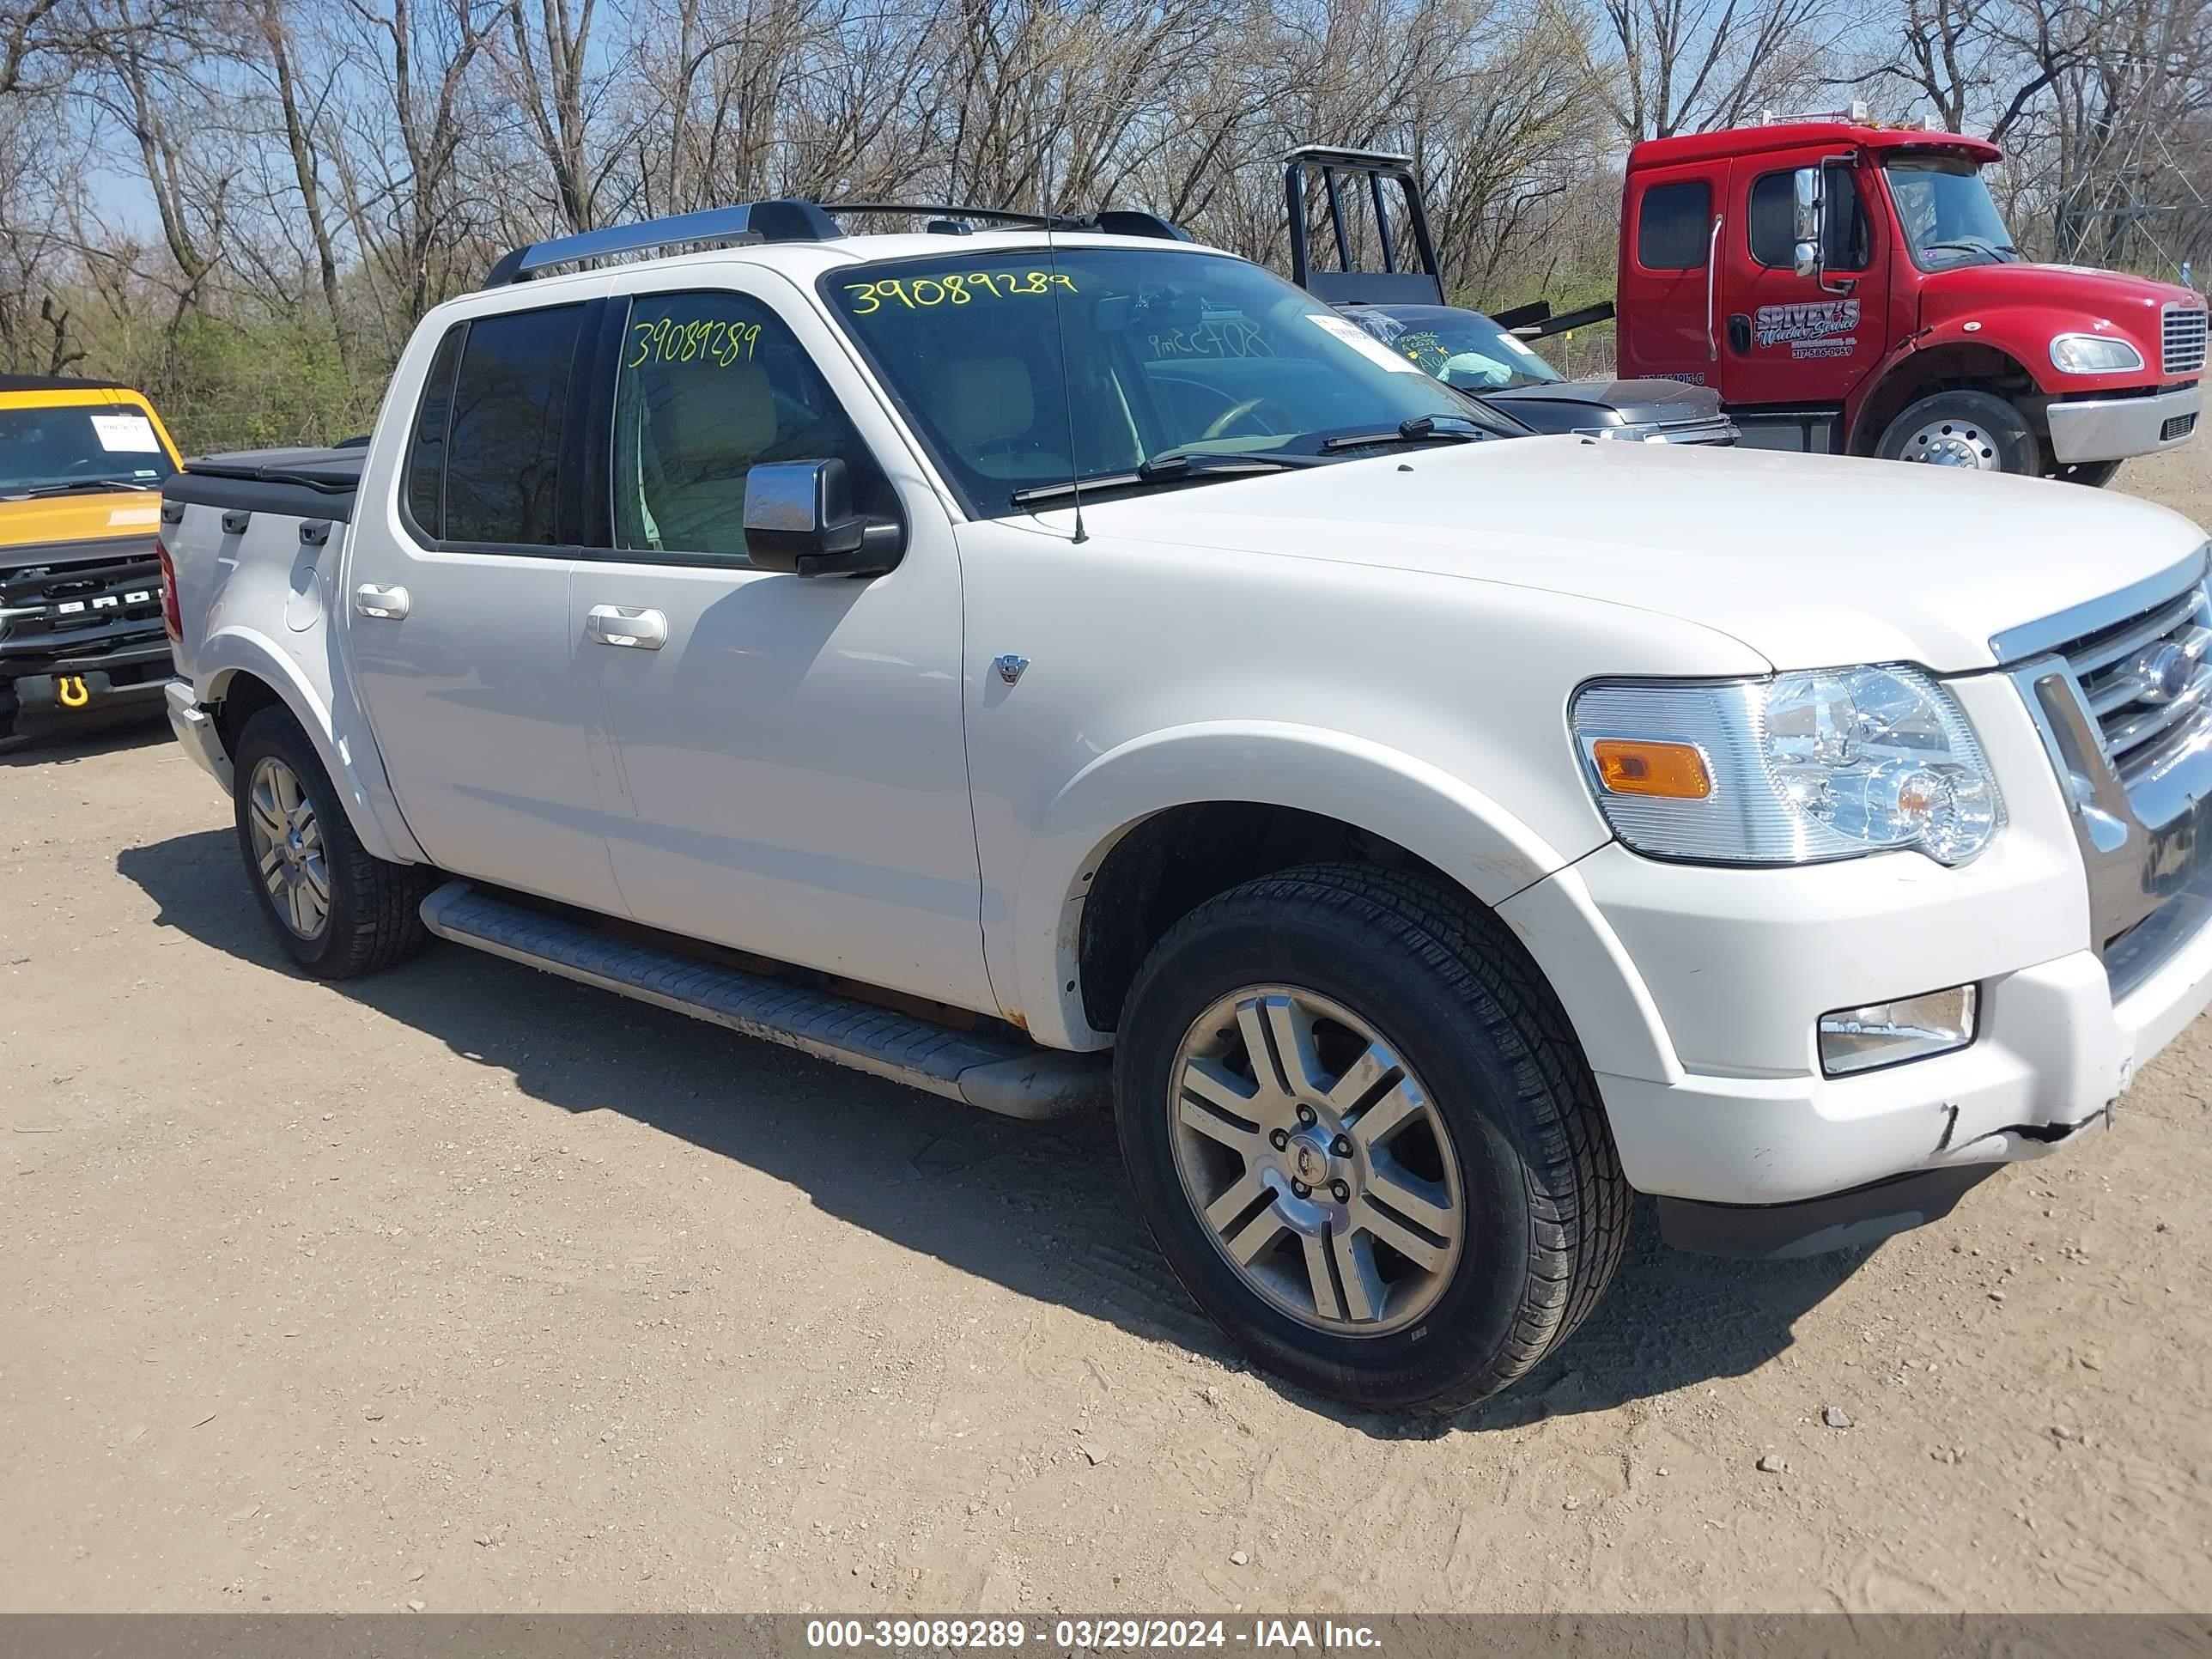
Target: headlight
{"points": [[2094, 354], [1791, 770]]}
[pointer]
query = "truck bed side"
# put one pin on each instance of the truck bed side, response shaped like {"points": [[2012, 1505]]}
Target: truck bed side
{"points": [[257, 542]]}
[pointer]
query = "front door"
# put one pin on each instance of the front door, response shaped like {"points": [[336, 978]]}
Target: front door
{"points": [[1792, 339], [789, 749], [458, 577]]}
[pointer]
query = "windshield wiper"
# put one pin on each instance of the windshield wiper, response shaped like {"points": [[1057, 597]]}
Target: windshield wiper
{"points": [[1170, 466], [1996, 251], [1421, 429], [106, 486]]}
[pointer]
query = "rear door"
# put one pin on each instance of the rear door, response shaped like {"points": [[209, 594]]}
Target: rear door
{"points": [[1667, 302], [457, 582], [1791, 339]]}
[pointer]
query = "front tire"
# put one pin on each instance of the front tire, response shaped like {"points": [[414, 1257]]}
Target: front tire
{"points": [[1364, 1138], [1976, 430], [337, 910]]}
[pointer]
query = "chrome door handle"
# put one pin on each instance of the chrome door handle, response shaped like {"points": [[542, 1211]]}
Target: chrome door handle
{"points": [[386, 604], [613, 624]]}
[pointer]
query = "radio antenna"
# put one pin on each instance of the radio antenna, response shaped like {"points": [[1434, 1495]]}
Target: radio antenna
{"points": [[1066, 380]]}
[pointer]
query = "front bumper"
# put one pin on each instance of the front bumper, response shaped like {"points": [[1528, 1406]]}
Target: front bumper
{"points": [[1697, 992], [52, 692], [2115, 429], [2053, 1052]]}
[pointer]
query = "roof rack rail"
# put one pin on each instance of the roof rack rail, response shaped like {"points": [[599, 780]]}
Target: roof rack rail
{"points": [[1113, 222], [784, 220]]}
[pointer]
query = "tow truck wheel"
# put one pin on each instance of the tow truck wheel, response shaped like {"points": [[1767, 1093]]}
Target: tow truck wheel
{"points": [[1977, 430], [336, 910], [1365, 1139]]}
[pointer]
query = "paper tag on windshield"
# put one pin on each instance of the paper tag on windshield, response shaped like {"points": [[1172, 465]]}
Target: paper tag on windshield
{"points": [[1365, 343], [126, 434]]}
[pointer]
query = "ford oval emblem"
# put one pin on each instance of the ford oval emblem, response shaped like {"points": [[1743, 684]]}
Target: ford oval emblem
{"points": [[2165, 671]]}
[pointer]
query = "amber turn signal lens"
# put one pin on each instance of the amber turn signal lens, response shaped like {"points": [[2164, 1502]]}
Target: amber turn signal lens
{"points": [[1674, 771]]}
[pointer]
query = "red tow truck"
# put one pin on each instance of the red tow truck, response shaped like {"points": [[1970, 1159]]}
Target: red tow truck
{"points": [[1849, 286]]}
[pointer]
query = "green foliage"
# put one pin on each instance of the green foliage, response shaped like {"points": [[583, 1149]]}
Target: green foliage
{"points": [[220, 384]]}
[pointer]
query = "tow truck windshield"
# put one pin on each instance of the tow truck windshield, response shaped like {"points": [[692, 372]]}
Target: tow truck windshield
{"points": [[78, 447], [1134, 368], [1949, 217]]}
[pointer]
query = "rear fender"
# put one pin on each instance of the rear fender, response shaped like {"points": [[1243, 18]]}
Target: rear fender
{"points": [[333, 724]]}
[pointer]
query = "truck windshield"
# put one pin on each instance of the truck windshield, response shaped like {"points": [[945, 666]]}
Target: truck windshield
{"points": [[1463, 348], [1948, 217], [1023, 370], [79, 447]]}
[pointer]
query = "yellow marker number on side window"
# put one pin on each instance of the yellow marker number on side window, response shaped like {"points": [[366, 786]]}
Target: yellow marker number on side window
{"points": [[671, 340]]}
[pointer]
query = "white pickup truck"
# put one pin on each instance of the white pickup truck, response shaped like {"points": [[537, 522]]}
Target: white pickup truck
{"points": [[960, 654]]}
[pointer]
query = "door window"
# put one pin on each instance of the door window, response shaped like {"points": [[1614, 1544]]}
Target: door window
{"points": [[1771, 221], [1674, 226], [503, 423], [709, 386], [426, 454]]}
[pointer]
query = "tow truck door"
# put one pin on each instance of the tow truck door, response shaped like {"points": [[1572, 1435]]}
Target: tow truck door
{"points": [[1788, 339], [1668, 297]]}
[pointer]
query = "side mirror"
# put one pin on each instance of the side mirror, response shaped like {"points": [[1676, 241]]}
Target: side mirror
{"points": [[800, 519], [1806, 191]]}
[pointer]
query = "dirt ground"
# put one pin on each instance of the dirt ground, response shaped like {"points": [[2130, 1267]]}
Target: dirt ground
{"points": [[466, 1288]]}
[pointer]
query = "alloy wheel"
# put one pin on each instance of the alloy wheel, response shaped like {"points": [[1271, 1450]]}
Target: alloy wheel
{"points": [[287, 847], [1316, 1161]]}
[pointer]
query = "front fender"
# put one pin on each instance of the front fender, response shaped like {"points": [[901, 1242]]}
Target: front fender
{"points": [[1440, 817], [334, 726], [2021, 333]]}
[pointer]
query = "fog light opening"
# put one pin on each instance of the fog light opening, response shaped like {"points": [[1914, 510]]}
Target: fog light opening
{"points": [[1880, 1034]]}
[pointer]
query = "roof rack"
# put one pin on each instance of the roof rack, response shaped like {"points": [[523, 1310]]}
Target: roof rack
{"points": [[797, 220], [1113, 222], [786, 221]]}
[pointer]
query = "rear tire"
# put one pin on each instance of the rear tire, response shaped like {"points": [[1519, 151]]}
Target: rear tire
{"points": [[1430, 1096], [337, 911], [1976, 430]]}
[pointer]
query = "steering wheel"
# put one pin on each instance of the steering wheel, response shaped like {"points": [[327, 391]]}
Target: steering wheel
{"points": [[1283, 420]]}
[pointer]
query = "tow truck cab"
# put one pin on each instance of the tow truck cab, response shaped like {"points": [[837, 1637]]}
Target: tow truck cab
{"points": [[1850, 287]]}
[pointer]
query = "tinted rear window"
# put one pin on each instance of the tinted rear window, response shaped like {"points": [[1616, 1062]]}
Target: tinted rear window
{"points": [[1673, 226], [509, 404]]}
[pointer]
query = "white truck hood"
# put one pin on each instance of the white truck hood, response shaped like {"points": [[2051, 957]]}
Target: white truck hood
{"points": [[1811, 561]]}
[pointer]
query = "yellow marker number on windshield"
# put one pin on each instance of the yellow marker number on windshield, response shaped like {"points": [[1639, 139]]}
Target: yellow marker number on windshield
{"points": [[955, 287]]}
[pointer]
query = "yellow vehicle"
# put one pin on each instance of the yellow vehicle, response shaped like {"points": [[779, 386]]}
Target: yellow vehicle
{"points": [[82, 626]]}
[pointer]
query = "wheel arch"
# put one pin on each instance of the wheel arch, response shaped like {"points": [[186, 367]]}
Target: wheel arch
{"points": [[1149, 830], [241, 673], [1948, 362]]}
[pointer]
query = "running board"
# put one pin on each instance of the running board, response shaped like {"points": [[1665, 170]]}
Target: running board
{"points": [[999, 1074]]}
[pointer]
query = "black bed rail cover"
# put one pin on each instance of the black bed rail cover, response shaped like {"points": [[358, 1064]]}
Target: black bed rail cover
{"points": [[307, 483]]}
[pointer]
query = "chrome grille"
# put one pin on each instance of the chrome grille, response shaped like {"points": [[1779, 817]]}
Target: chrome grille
{"points": [[2182, 339], [2148, 683]]}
